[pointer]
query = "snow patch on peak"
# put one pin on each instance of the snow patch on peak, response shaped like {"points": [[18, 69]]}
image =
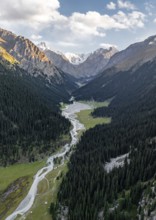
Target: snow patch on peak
{"points": [[42, 46], [76, 59], [153, 42]]}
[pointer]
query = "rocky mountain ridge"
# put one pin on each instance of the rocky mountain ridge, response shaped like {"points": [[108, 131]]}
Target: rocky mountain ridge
{"points": [[82, 65], [129, 66], [34, 61], [134, 55], [29, 56]]}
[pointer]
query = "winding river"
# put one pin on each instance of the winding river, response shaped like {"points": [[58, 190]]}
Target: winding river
{"points": [[70, 113]]}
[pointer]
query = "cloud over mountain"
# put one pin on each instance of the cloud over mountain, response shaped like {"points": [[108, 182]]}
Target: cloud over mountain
{"points": [[43, 19]]}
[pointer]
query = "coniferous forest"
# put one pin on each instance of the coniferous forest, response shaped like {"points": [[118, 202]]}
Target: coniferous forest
{"points": [[88, 190], [29, 125]]}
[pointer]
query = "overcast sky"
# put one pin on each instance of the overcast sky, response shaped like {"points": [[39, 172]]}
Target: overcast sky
{"points": [[80, 25]]}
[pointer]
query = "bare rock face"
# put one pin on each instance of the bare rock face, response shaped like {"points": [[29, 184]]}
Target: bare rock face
{"points": [[30, 57]]}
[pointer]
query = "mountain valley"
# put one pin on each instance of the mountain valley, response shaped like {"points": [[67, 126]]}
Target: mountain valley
{"points": [[84, 65], [78, 112]]}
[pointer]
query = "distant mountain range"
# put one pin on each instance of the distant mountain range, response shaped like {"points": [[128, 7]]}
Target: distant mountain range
{"points": [[35, 62], [131, 68], [73, 58], [61, 71], [80, 65], [114, 71]]}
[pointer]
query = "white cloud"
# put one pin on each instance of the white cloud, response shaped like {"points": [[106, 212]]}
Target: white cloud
{"points": [[45, 14], [150, 8], [131, 20], [111, 6], [36, 37], [154, 20], [126, 5], [36, 12], [93, 23], [38, 18]]}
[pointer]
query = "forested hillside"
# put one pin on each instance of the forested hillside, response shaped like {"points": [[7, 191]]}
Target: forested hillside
{"points": [[89, 191], [122, 85], [29, 123]]}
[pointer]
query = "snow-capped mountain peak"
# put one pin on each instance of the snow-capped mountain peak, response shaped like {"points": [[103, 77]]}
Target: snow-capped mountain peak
{"points": [[81, 65], [76, 59]]}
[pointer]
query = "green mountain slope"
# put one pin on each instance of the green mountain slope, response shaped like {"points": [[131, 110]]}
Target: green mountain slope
{"points": [[136, 81], [88, 190], [29, 123]]}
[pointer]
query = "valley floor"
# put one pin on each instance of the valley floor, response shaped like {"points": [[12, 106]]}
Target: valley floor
{"points": [[88, 120], [47, 193], [48, 187], [15, 182]]}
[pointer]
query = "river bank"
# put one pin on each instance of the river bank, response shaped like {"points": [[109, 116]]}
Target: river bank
{"points": [[70, 113]]}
